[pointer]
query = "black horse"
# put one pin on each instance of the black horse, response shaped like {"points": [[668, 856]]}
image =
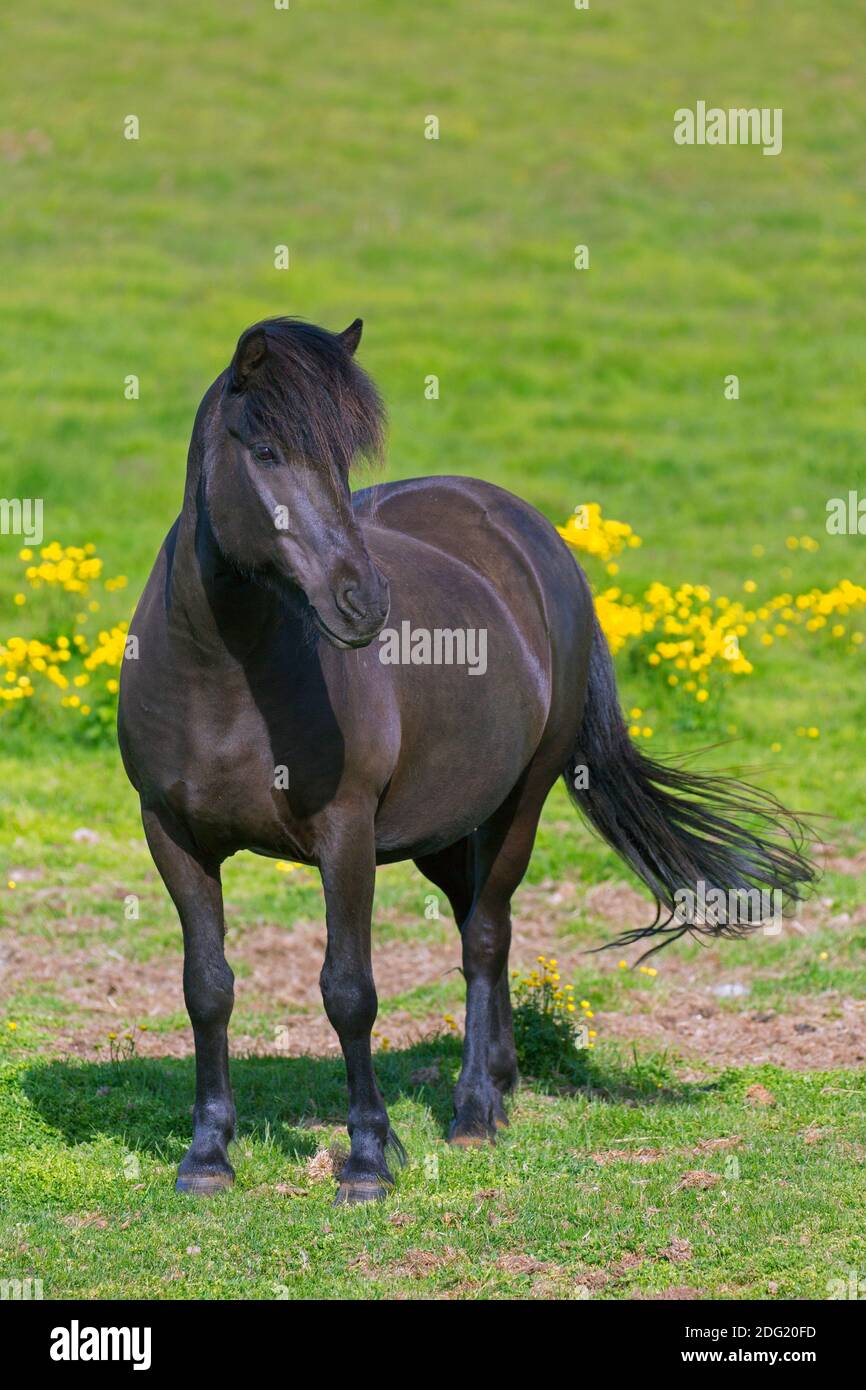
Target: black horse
{"points": [[261, 714]]}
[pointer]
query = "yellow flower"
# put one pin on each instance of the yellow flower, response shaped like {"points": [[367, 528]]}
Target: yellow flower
{"points": [[589, 532]]}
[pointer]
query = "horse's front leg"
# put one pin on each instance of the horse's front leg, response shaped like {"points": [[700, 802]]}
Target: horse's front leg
{"points": [[208, 986], [348, 876]]}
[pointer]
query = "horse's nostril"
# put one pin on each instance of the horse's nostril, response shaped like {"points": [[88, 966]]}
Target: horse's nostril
{"points": [[350, 603]]}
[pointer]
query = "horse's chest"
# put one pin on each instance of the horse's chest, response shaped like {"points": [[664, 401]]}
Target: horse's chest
{"points": [[243, 809], [237, 785]]}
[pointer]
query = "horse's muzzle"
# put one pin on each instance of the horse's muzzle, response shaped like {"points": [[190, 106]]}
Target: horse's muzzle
{"points": [[359, 613]]}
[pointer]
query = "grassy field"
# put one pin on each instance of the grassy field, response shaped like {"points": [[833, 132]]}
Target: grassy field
{"points": [[121, 257], [588, 1197]]}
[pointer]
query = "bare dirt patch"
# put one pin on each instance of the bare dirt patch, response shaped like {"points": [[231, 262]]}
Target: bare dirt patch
{"points": [[692, 1025], [278, 982], [707, 1146], [699, 1178], [605, 1156], [682, 1293], [834, 857]]}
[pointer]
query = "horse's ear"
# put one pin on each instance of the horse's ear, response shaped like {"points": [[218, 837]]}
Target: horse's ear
{"points": [[351, 336], [250, 353]]}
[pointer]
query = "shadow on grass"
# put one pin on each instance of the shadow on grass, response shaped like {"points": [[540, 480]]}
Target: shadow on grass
{"points": [[147, 1102]]}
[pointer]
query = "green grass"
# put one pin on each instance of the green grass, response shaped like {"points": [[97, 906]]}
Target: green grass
{"points": [[89, 1220], [305, 127], [89, 1153], [150, 256]]}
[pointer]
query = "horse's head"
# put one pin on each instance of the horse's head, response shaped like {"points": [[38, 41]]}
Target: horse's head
{"points": [[288, 417]]}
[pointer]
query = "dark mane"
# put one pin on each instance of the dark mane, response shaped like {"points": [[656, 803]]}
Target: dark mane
{"points": [[311, 394]]}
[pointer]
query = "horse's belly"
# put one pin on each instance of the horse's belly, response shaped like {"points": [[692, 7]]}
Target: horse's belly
{"points": [[458, 766]]}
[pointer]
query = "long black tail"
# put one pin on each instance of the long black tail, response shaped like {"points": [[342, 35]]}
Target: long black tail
{"points": [[715, 843]]}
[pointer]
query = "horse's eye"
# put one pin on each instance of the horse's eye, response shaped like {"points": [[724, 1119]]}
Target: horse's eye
{"points": [[263, 453]]}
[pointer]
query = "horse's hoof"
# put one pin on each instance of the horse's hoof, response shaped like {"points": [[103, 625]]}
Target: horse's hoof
{"points": [[470, 1141], [355, 1190], [203, 1184], [500, 1115]]}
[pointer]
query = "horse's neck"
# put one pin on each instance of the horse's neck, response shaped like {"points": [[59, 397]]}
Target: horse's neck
{"points": [[214, 609]]}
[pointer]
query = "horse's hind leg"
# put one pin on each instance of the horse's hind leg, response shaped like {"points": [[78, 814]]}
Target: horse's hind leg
{"points": [[453, 870], [208, 986], [503, 1054], [500, 852]]}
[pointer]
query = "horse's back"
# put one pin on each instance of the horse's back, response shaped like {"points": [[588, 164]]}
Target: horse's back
{"points": [[498, 535], [490, 530]]}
